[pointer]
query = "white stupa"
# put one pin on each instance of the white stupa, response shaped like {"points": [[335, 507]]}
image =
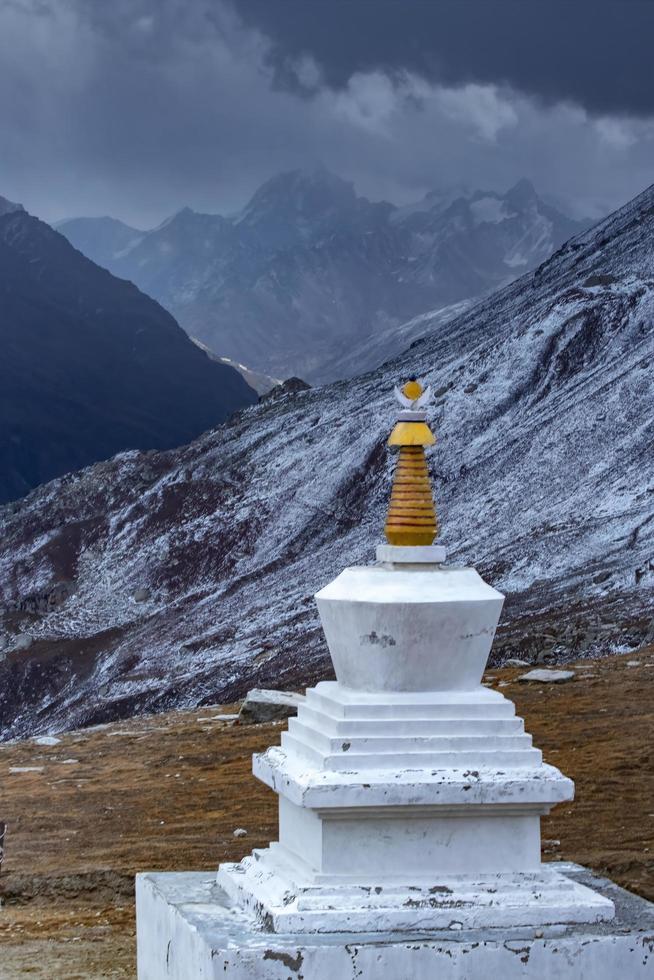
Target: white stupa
{"points": [[410, 800]]}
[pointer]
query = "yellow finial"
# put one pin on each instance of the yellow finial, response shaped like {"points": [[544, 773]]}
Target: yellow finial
{"points": [[412, 389], [411, 516]]}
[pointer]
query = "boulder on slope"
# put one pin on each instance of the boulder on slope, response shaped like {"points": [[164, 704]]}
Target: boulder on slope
{"points": [[260, 706]]}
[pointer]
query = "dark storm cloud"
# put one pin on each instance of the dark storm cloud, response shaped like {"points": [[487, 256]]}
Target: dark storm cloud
{"points": [[595, 52], [138, 107]]}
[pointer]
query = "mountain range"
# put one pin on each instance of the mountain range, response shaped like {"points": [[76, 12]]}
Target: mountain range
{"points": [[187, 576], [90, 366], [311, 279]]}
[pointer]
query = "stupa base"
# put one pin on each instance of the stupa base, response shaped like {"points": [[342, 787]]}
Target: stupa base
{"points": [[187, 930], [272, 885]]}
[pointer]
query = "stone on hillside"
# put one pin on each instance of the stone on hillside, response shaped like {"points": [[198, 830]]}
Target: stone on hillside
{"points": [[22, 642], [548, 676], [141, 595], [515, 662], [260, 706], [289, 387]]}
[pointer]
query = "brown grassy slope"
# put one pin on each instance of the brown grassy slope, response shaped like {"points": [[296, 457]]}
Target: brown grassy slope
{"points": [[168, 791]]}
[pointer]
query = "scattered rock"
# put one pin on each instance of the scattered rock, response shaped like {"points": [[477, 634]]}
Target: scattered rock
{"points": [[240, 832], [141, 595], [633, 663], [548, 676], [22, 642], [260, 706], [224, 718], [289, 387], [515, 662], [603, 279], [41, 603], [47, 740]]}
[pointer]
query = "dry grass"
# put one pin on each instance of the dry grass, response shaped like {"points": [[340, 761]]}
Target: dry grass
{"points": [[168, 791]]}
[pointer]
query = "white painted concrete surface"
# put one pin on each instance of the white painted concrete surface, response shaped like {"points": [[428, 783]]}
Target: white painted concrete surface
{"points": [[294, 901], [397, 554], [187, 931], [411, 796], [396, 629]]}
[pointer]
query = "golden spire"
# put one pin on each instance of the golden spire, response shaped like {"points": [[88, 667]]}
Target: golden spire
{"points": [[411, 516]]}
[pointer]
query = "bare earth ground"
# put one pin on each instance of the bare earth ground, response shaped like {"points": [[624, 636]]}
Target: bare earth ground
{"points": [[167, 792]]}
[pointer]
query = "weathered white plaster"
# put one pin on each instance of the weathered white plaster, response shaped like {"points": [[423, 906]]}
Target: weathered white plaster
{"points": [[187, 931], [396, 554], [327, 789], [410, 795], [412, 841], [396, 629], [276, 881]]}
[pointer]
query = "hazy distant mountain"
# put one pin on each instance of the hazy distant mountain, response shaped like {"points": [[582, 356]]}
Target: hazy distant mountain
{"points": [[544, 479], [309, 271], [89, 365], [101, 239]]}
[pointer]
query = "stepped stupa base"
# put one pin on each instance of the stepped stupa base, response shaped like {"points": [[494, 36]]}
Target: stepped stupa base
{"points": [[187, 928], [273, 884]]}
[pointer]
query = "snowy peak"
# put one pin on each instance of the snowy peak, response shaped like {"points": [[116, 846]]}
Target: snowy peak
{"points": [[301, 192], [310, 279], [297, 206], [522, 195]]}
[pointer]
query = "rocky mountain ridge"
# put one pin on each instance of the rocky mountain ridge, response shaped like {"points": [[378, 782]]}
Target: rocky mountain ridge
{"points": [[311, 279], [90, 365], [187, 577], [8, 207]]}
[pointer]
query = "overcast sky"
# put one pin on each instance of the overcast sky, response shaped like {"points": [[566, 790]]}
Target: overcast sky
{"points": [[136, 108]]}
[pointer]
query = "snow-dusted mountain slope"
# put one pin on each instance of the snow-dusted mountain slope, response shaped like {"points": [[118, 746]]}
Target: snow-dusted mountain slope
{"points": [[174, 578], [310, 279]]}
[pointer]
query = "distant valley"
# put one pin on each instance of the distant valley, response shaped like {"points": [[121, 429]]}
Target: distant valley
{"points": [[311, 279]]}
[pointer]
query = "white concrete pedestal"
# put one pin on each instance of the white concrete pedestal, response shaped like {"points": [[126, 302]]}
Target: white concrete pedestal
{"points": [[188, 931]]}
